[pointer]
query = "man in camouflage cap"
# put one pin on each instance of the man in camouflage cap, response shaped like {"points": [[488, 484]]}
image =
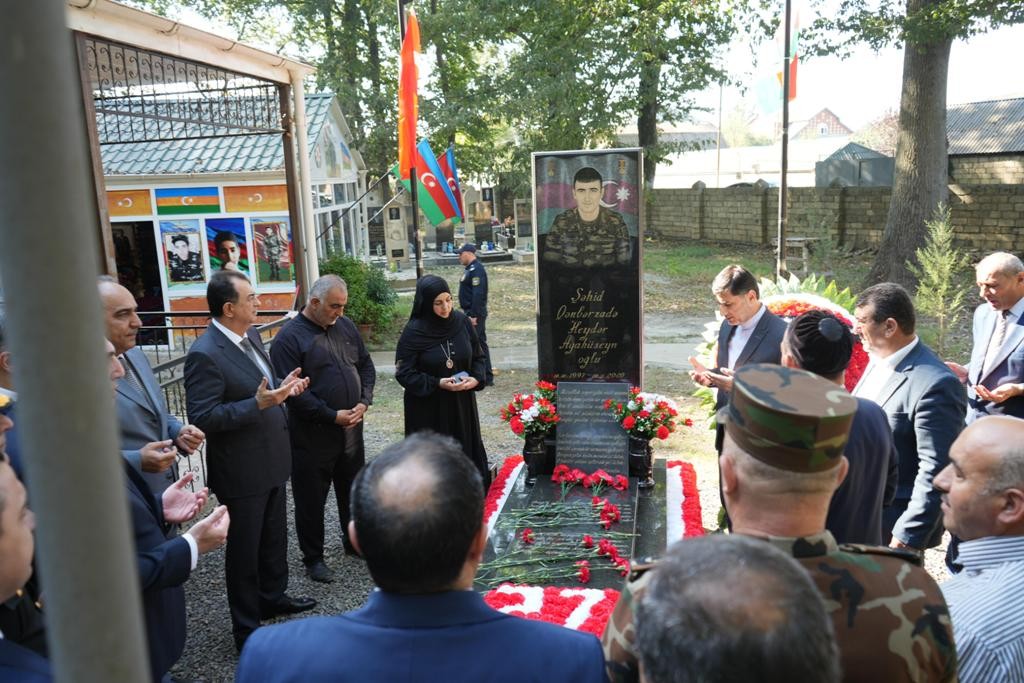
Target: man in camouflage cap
{"points": [[781, 461]]}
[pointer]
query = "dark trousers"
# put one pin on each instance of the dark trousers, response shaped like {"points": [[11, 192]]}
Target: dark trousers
{"points": [[481, 333], [313, 472], [256, 557]]}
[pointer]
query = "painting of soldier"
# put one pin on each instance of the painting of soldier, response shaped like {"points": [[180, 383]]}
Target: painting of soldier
{"points": [[182, 252], [273, 249]]}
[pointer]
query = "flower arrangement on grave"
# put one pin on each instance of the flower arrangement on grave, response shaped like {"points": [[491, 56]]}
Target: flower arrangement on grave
{"points": [[789, 298], [532, 415], [645, 415], [537, 560]]}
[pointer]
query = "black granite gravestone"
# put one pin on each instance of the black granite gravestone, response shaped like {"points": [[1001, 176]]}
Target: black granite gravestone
{"points": [[588, 436]]}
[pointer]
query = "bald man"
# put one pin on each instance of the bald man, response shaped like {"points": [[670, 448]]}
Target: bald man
{"points": [[983, 504], [150, 436]]}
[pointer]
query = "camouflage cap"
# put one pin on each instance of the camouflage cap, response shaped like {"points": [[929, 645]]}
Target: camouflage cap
{"points": [[788, 418]]}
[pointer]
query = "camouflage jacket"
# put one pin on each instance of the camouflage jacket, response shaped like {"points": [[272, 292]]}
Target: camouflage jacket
{"points": [[890, 619], [603, 242]]}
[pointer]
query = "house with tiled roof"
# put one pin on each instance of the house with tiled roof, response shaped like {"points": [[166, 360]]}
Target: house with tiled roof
{"points": [[171, 202]]}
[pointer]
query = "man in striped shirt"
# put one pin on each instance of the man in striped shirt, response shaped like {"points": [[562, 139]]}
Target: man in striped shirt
{"points": [[983, 504]]}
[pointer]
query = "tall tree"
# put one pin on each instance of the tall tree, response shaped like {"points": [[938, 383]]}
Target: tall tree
{"points": [[926, 29]]}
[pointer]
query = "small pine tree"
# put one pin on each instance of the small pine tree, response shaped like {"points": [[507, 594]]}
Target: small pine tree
{"points": [[940, 291]]}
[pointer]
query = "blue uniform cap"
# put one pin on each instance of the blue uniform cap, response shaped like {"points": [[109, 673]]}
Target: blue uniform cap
{"points": [[469, 246]]}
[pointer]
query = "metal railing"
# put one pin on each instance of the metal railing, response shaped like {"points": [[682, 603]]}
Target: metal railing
{"points": [[171, 376], [164, 342]]}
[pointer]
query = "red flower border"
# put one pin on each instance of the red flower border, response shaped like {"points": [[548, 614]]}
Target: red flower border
{"points": [[556, 608], [494, 493], [693, 521]]}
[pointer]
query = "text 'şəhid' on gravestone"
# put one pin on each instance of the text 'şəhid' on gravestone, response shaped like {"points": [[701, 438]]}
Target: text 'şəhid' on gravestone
{"points": [[588, 237]]}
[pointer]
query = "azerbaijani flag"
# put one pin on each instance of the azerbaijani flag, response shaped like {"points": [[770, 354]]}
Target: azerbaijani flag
{"points": [[433, 193], [408, 103], [185, 200], [451, 175], [769, 86]]}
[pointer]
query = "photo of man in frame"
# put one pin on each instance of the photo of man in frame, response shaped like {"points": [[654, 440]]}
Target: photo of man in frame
{"points": [[588, 234]]}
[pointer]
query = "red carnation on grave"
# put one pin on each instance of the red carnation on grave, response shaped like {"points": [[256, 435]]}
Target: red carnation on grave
{"points": [[644, 413], [583, 573], [527, 536], [588, 481], [662, 432], [596, 500], [545, 386], [688, 422], [607, 403], [621, 482], [517, 425], [629, 422], [528, 402], [588, 541]]}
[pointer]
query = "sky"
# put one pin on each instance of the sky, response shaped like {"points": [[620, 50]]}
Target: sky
{"points": [[862, 87]]}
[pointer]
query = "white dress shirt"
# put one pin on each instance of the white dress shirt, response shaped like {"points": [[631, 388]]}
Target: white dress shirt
{"points": [[879, 371], [742, 335]]}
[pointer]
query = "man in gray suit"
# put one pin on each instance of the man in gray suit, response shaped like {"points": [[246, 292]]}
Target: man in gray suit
{"points": [[995, 376], [925, 404], [150, 436], [749, 334]]}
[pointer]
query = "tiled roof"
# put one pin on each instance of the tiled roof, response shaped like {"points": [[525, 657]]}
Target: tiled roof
{"points": [[206, 155], [992, 127]]}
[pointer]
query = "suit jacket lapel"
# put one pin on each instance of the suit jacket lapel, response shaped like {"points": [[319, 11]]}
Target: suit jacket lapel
{"points": [[125, 388], [760, 330], [1014, 336], [899, 376], [724, 333], [235, 354]]}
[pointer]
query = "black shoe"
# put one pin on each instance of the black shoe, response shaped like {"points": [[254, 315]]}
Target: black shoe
{"points": [[318, 571], [287, 605]]}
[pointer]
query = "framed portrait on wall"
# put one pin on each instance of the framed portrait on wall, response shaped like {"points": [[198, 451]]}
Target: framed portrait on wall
{"points": [[183, 252], [227, 245], [274, 251]]}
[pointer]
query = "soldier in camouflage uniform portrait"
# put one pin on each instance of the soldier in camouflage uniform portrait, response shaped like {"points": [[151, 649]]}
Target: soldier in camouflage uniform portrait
{"points": [[184, 264], [588, 235], [782, 459]]}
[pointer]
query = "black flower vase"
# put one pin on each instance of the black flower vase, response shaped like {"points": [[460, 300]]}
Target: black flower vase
{"points": [[534, 453], [641, 465]]}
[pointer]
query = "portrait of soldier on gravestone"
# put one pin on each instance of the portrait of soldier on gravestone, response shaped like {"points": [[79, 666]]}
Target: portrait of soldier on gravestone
{"points": [[587, 232]]}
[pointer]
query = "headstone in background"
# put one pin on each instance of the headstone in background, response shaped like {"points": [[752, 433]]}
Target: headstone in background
{"points": [[445, 235], [587, 435], [589, 277]]}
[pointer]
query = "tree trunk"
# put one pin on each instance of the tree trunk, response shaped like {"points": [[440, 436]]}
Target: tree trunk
{"points": [[921, 179], [647, 119]]}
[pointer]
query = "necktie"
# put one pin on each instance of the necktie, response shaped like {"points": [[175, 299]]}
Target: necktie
{"points": [[132, 378], [996, 343], [255, 358]]}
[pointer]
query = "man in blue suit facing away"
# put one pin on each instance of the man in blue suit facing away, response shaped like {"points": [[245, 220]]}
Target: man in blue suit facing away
{"points": [[417, 519]]}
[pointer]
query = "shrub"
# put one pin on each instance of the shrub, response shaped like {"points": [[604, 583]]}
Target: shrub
{"points": [[371, 301], [939, 267]]}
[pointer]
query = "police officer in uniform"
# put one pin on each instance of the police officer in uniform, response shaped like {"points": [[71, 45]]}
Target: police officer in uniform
{"points": [[473, 298], [785, 431]]}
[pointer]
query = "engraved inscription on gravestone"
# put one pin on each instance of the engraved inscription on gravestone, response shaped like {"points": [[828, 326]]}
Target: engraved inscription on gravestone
{"points": [[587, 435]]}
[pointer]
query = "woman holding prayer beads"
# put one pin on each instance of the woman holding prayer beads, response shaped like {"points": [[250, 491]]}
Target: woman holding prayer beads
{"points": [[440, 364]]}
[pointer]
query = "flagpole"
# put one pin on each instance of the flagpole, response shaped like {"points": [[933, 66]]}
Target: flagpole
{"points": [[780, 264], [413, 178]]}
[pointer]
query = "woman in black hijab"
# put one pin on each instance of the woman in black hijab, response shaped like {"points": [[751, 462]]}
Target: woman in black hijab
{"points": [[819, 342], [437, 344]]}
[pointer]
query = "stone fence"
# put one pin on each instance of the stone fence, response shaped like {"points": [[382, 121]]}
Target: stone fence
{"points": [[985, 217]]}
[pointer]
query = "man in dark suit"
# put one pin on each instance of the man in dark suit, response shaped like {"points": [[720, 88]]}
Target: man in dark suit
{"points": [[166, 560], [925, 404], [149, 433], [417, 518], [232, 395], [995, 376], [17, 664], [749, 334]]}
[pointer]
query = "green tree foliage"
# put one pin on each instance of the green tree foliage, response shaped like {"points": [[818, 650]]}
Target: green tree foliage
{"points": [[939, 271], [371, 301], [509, 77], [926, 29]]}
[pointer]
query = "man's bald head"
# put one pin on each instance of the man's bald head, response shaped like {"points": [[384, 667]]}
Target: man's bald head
{"points": [[983, 485], [417, 508], [120, 314]]}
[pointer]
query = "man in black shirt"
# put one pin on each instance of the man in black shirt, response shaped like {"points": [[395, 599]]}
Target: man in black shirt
{"points": [[325, 427]]}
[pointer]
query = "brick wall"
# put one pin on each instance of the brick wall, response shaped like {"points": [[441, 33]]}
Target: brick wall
{"points": [[989, 169], [986, 217]]}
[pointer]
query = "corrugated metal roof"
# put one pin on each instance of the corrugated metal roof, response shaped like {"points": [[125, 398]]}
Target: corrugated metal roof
{"points": [[992, 127], [207, 155], [854, 152]]}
